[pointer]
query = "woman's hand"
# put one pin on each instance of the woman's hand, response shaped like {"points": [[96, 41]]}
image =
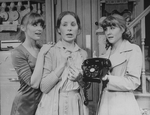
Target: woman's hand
{"points": [[74, 73], [105, 78], [65, 56], [45, 48]]}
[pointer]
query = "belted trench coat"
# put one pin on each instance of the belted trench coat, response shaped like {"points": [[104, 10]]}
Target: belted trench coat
{"points": [[118, 97]]}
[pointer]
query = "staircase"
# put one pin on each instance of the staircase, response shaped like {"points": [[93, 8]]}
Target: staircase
{"points": [[143, 97]]}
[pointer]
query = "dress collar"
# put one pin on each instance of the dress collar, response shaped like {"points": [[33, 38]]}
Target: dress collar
{"points": [[60, 45], [120, 56]]}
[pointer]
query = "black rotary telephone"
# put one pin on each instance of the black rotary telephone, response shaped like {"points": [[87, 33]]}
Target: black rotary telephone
{"points": [[94, 69]]}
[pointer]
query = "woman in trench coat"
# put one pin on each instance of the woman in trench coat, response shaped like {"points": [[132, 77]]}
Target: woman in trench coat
{"points": [[124, 76]]}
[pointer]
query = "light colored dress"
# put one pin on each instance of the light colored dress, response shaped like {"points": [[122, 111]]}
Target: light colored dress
{"points": [[118, 97], [66, 97]]}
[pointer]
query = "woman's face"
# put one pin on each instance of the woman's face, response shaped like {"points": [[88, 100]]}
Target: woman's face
{"points": [[68, 28], [33, 31], [113, 34]]}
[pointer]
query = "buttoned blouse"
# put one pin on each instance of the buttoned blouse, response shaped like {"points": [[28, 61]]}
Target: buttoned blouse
{"points": [[63, 86], [54, 58]]}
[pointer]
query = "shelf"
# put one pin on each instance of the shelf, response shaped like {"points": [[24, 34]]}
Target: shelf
{"points": [[22, 0], [103, 1], [9, 27]]}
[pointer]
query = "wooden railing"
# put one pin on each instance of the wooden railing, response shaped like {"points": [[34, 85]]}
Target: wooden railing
{"points": [[141, 19]]}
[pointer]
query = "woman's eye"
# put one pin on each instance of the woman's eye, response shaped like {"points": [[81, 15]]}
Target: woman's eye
{"points": [[34, 25], [64, 24], [73, 24], [113, 27]]}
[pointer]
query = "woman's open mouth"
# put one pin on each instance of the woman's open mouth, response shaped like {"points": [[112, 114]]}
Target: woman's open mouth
{"points": [[69, 35]]}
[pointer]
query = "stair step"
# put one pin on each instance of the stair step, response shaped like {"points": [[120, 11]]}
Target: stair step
{"points": [[143, 100], [139, 94]]}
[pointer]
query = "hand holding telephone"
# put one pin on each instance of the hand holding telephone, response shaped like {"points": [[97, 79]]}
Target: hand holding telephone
{"points": [[94, 69]]}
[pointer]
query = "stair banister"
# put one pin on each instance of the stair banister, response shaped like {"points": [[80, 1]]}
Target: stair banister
{"points": [[141, 18], [143, 55], [137, 19]]}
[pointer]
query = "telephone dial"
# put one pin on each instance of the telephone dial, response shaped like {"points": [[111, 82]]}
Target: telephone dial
{"points": [[94, 69]]}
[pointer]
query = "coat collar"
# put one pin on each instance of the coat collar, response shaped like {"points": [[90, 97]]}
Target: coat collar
{"points": [[120, 56]]}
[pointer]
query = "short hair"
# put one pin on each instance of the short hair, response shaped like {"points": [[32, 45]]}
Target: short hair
{"points": [[117, 21], [62, 14]]}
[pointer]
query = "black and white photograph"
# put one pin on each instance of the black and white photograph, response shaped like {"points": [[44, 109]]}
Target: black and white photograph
{"points": [[74, 57]]}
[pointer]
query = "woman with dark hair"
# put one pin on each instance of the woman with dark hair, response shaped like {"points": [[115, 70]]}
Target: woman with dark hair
{"points": [[28, 60], [124, 76], [62, 69]]}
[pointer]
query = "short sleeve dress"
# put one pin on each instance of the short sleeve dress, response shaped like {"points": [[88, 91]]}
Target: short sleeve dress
{"points": [[27, 98]]}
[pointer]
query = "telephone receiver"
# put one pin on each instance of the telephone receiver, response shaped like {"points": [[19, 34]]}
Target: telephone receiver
{"points": [[94, 69]]}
